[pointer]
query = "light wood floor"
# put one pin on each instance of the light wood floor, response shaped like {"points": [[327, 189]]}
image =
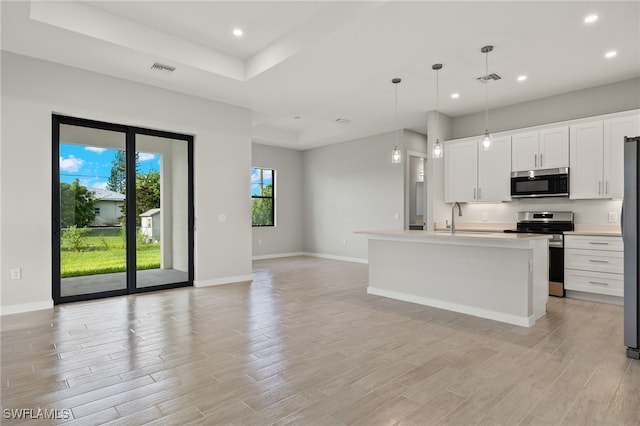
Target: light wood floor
{"points": [[305, 345]]}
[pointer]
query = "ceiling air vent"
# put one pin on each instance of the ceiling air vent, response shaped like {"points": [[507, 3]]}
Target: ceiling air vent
{"points": [[162, 68], [486, 78], [342, 121]]}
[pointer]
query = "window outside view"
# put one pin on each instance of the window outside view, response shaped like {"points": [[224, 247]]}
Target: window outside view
{"points": [[262, 197], [92, 210]]}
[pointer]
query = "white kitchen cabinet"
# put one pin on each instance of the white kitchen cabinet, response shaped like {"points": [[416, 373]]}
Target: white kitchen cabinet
{"points": [[615, 129], [585, 169], [554, 147], [547, 148], [461, 170], [597, 157], [475, 175], [524, 151], [494, 171], [594, 264]]}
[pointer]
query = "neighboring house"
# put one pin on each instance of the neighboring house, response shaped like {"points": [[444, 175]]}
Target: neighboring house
{"points": [[108, 207], [150, 225]]}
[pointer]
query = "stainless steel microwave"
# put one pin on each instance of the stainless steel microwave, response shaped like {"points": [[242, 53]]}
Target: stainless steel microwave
{"points": [[540, 183]]}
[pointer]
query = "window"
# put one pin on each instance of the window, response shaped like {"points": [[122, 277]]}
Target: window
{"points": [[96, 210], [262, 197]]}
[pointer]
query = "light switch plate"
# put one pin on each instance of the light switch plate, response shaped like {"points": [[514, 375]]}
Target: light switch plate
{"points": [[485, 216], [222, 218], [16, 274], [613, 217]]}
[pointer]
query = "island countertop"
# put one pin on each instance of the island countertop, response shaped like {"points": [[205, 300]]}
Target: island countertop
{"points": [[459, 237]]}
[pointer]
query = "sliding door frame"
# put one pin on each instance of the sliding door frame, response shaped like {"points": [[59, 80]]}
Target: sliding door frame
{"points": [[130, 133]]}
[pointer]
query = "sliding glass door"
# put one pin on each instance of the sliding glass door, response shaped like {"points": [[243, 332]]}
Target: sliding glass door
{"points": [[122, 209], [162, 216]]}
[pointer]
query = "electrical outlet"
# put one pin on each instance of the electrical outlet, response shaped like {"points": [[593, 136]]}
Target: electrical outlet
{"points": [[16, 274], [259, 241], [396, 216], [613, 217], [222, 218], [485, 216], [344, 242]]}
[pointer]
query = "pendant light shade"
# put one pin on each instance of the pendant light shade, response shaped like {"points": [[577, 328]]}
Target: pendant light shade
{"points": [[396, 155], [487, 142], [437, 146]]}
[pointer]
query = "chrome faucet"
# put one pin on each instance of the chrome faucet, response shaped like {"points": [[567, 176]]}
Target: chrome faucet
{"points": [[453, 217]]}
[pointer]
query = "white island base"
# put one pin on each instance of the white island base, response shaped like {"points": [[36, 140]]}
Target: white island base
{"points": [[503, 277]]}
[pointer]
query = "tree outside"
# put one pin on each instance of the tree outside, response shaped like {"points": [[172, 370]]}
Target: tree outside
{"points": [[147, 184], [76, 205], [262, 208], [147, 192]]}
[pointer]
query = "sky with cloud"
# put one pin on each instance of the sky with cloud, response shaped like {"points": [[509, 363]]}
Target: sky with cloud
{"points": [[92, 165], [259, 179]]}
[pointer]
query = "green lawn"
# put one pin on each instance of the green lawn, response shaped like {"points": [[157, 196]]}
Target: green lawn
{"points": [[104, 255]]}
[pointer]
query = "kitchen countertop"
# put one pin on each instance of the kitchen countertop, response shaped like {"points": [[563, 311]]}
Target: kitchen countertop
{"points": [[596, 230], [594, 233], [444, 236]]}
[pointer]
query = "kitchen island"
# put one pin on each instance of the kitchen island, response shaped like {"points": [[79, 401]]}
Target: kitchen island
{"points": [[499, 276]]}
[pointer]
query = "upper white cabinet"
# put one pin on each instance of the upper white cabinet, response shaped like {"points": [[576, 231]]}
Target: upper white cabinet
{"points": [[546, 148], [475, 175], [585, 170], [461, 170], [615, 129], [597, 157], [494, 173]]}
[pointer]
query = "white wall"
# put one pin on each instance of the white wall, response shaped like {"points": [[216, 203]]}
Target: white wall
{"points": [[286, 236], [33, 89], [435, 168], [616, 97], [352, 186]]}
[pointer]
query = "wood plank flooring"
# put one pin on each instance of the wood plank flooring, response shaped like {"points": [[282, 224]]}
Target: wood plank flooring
{"points": [[303, 344]]}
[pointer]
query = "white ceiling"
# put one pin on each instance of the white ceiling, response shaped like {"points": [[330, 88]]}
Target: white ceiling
{"points": [[323, 60]]}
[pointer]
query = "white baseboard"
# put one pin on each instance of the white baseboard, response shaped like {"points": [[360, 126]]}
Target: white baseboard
{"points": [[593, 297], [222, 281], [276, 256], [26, 307], [342, 258], [463, 309]]}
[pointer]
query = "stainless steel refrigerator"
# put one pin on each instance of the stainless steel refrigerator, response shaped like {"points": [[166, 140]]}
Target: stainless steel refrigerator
{"points": [[630, 238]]}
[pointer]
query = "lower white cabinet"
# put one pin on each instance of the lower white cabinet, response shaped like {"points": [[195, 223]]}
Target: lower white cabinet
{"points": [[594, 264]]}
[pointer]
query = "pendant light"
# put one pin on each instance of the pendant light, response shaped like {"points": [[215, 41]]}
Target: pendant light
{"points": [[437, 147], [396, 155], [487, 143]]}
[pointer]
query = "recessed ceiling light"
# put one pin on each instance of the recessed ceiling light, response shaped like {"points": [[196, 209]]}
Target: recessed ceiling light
{"points": [[590, 19], [610, 54], [455, 95], [522, 77], [237, 32]]}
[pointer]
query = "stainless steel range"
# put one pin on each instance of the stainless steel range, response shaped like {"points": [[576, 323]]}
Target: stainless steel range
{"points": [[554, 224]]}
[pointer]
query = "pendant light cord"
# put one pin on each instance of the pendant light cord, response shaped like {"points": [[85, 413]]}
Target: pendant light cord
{"points": [[486, 101], [396, 85], [437, 105]]}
